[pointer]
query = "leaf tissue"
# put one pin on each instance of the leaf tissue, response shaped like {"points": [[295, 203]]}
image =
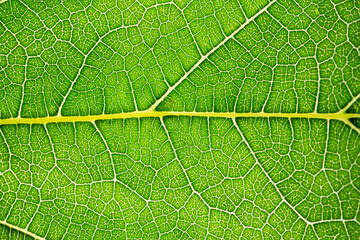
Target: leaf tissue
{"points": [[180, 119]]}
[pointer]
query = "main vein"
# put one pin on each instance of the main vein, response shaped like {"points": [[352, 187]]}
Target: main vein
{"points": [[152, 113]]}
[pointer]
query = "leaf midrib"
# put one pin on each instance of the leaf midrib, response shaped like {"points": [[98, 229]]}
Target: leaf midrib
{"points": [[152, 113]]}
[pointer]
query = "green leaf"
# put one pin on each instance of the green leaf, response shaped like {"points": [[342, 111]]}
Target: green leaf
{"points": [[144, 119]]}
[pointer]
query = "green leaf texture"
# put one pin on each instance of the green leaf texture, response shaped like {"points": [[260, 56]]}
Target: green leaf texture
{"points": [[183, 119]]}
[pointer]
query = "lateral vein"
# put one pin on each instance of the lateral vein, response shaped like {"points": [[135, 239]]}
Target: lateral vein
{"points": [[20, 230], [204, 57]]}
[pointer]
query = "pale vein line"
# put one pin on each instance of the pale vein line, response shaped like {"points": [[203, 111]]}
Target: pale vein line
{"points": [[203, 58], [186, 176], [310, 224], [20, 229], [114, 172], [107, 148], [266, 174], [112, 161], [83, 65], [323, 169], [350, 104], [351, 125], [178, 160], [188, 179]]}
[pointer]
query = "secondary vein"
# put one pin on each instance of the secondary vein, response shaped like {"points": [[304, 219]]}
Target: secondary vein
{"points": [[204, 57]]}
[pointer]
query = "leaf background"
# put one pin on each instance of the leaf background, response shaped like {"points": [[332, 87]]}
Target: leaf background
{"points": [[184, 119]]}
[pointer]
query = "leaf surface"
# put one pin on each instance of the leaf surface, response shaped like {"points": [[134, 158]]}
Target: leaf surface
{"points": [[180, 119]]}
